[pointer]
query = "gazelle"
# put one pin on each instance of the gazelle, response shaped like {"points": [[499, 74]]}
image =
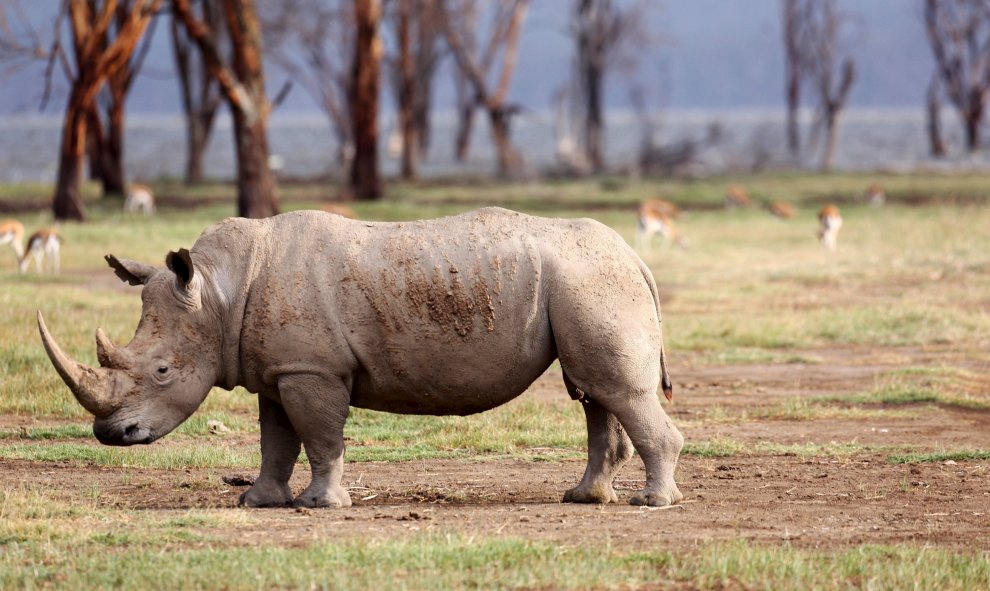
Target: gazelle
{"points": [[656, 217], [736, 196], [829, 222], [140, 199], [781, 209], [44, 243], [875, 195], [12, 233], [339, 209]]}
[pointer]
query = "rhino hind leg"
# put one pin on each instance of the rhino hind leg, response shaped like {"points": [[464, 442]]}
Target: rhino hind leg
{"points": [[318, 408], [280, 446], [609, 448], [658, 442]]}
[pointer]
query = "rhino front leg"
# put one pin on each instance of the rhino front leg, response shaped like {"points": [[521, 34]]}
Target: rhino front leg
{"points": [[318, 408], [608, 449], [280, 447]]}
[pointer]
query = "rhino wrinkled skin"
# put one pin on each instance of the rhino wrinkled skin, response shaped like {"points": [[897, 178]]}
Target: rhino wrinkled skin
{"points": [[317, 313]]}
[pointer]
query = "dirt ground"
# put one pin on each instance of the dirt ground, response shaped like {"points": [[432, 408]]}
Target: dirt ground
{"points": [[828, 501]]}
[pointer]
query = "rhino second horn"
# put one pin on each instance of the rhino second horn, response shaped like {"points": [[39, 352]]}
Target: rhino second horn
{"points": [[88, 385], [106, 351]]}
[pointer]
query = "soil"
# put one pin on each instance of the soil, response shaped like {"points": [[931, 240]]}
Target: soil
{"points": [[820, 501]]}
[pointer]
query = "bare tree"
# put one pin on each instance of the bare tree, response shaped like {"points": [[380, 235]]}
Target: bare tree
{"points": [[795, 16], [959, 35], [506, 25], [313, 40], [199, 90], [96, 59], [106, 128], [466, 14], [242, 82], [601, 29], [365, 82], [417, 30], [821, 52], [934, 116]]}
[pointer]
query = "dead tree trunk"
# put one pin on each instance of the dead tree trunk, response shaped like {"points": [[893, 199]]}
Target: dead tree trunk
{"points": [[243, 85], [934, 115], [199, 91], [407, 97], [67, 203], [96, 60], [959, 35], [364, 180], [794, 72], [505, 37]]}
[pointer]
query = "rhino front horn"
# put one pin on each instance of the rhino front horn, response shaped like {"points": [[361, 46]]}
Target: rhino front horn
{"points": [[88, 385]]}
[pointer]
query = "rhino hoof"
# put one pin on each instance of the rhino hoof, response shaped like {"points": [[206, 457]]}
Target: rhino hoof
{"points": [[332, 498], [588, 494], [259, 498], [649, 498]]}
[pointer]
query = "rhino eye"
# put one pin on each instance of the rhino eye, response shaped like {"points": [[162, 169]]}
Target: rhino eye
{"points": [[162, 370]]}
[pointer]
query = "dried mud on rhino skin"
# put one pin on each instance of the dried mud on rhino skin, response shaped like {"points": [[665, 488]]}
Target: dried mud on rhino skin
{"points": [[809, 502]]}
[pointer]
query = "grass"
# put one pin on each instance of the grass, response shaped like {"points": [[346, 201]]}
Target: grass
{"points": [[455, 561], [940, 456]]}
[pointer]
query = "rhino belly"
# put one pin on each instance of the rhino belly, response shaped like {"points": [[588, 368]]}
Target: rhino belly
{"points": [[450, 378]]}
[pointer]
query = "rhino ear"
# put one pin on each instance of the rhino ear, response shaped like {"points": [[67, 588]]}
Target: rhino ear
{"points": [[131, 272], [181, 264]]}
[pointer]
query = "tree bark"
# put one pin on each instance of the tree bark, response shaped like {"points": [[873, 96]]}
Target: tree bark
{"points": [[256, 188], [407, 95], [243, 85], [934, 112], [95, 62], [364, 179], [67, 202], [792, 87]]}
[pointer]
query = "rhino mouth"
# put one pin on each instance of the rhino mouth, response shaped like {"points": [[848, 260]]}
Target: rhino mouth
{"points": [[109, 433]]}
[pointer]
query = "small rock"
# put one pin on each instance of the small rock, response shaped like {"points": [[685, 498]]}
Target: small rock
{"points": [[216, 427], [949, 462], [303, 511]]}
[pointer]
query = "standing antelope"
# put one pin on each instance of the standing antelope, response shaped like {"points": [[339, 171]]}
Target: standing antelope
{"points": [[829, 222], [736, 196], [875, 195], [656, 217], [12, 232], [140, 199], [44, 242]]}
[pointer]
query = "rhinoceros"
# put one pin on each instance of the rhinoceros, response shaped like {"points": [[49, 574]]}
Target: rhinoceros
{"points": [[316, 313]]}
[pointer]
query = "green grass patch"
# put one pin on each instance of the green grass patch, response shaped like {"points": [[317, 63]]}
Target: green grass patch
{"points": [[940, 456], [50, 433], [171, 457], [455, 561]]}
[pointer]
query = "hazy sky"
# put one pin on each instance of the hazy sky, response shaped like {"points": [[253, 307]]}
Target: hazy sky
{"points": [[704, 54]]}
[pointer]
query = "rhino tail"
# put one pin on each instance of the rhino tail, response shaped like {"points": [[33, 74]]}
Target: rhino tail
{"points": [[665, 383]]}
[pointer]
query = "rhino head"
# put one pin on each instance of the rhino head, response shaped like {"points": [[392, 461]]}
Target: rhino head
{"points": [[144, 390]]}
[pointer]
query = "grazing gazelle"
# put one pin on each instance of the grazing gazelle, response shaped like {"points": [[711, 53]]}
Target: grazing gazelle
{"points": [[12, 233], [829, 222], [736, 196], [43, 243], [875, 195], [140, 199], [656, 217], [339, 209], [781, 209]]}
